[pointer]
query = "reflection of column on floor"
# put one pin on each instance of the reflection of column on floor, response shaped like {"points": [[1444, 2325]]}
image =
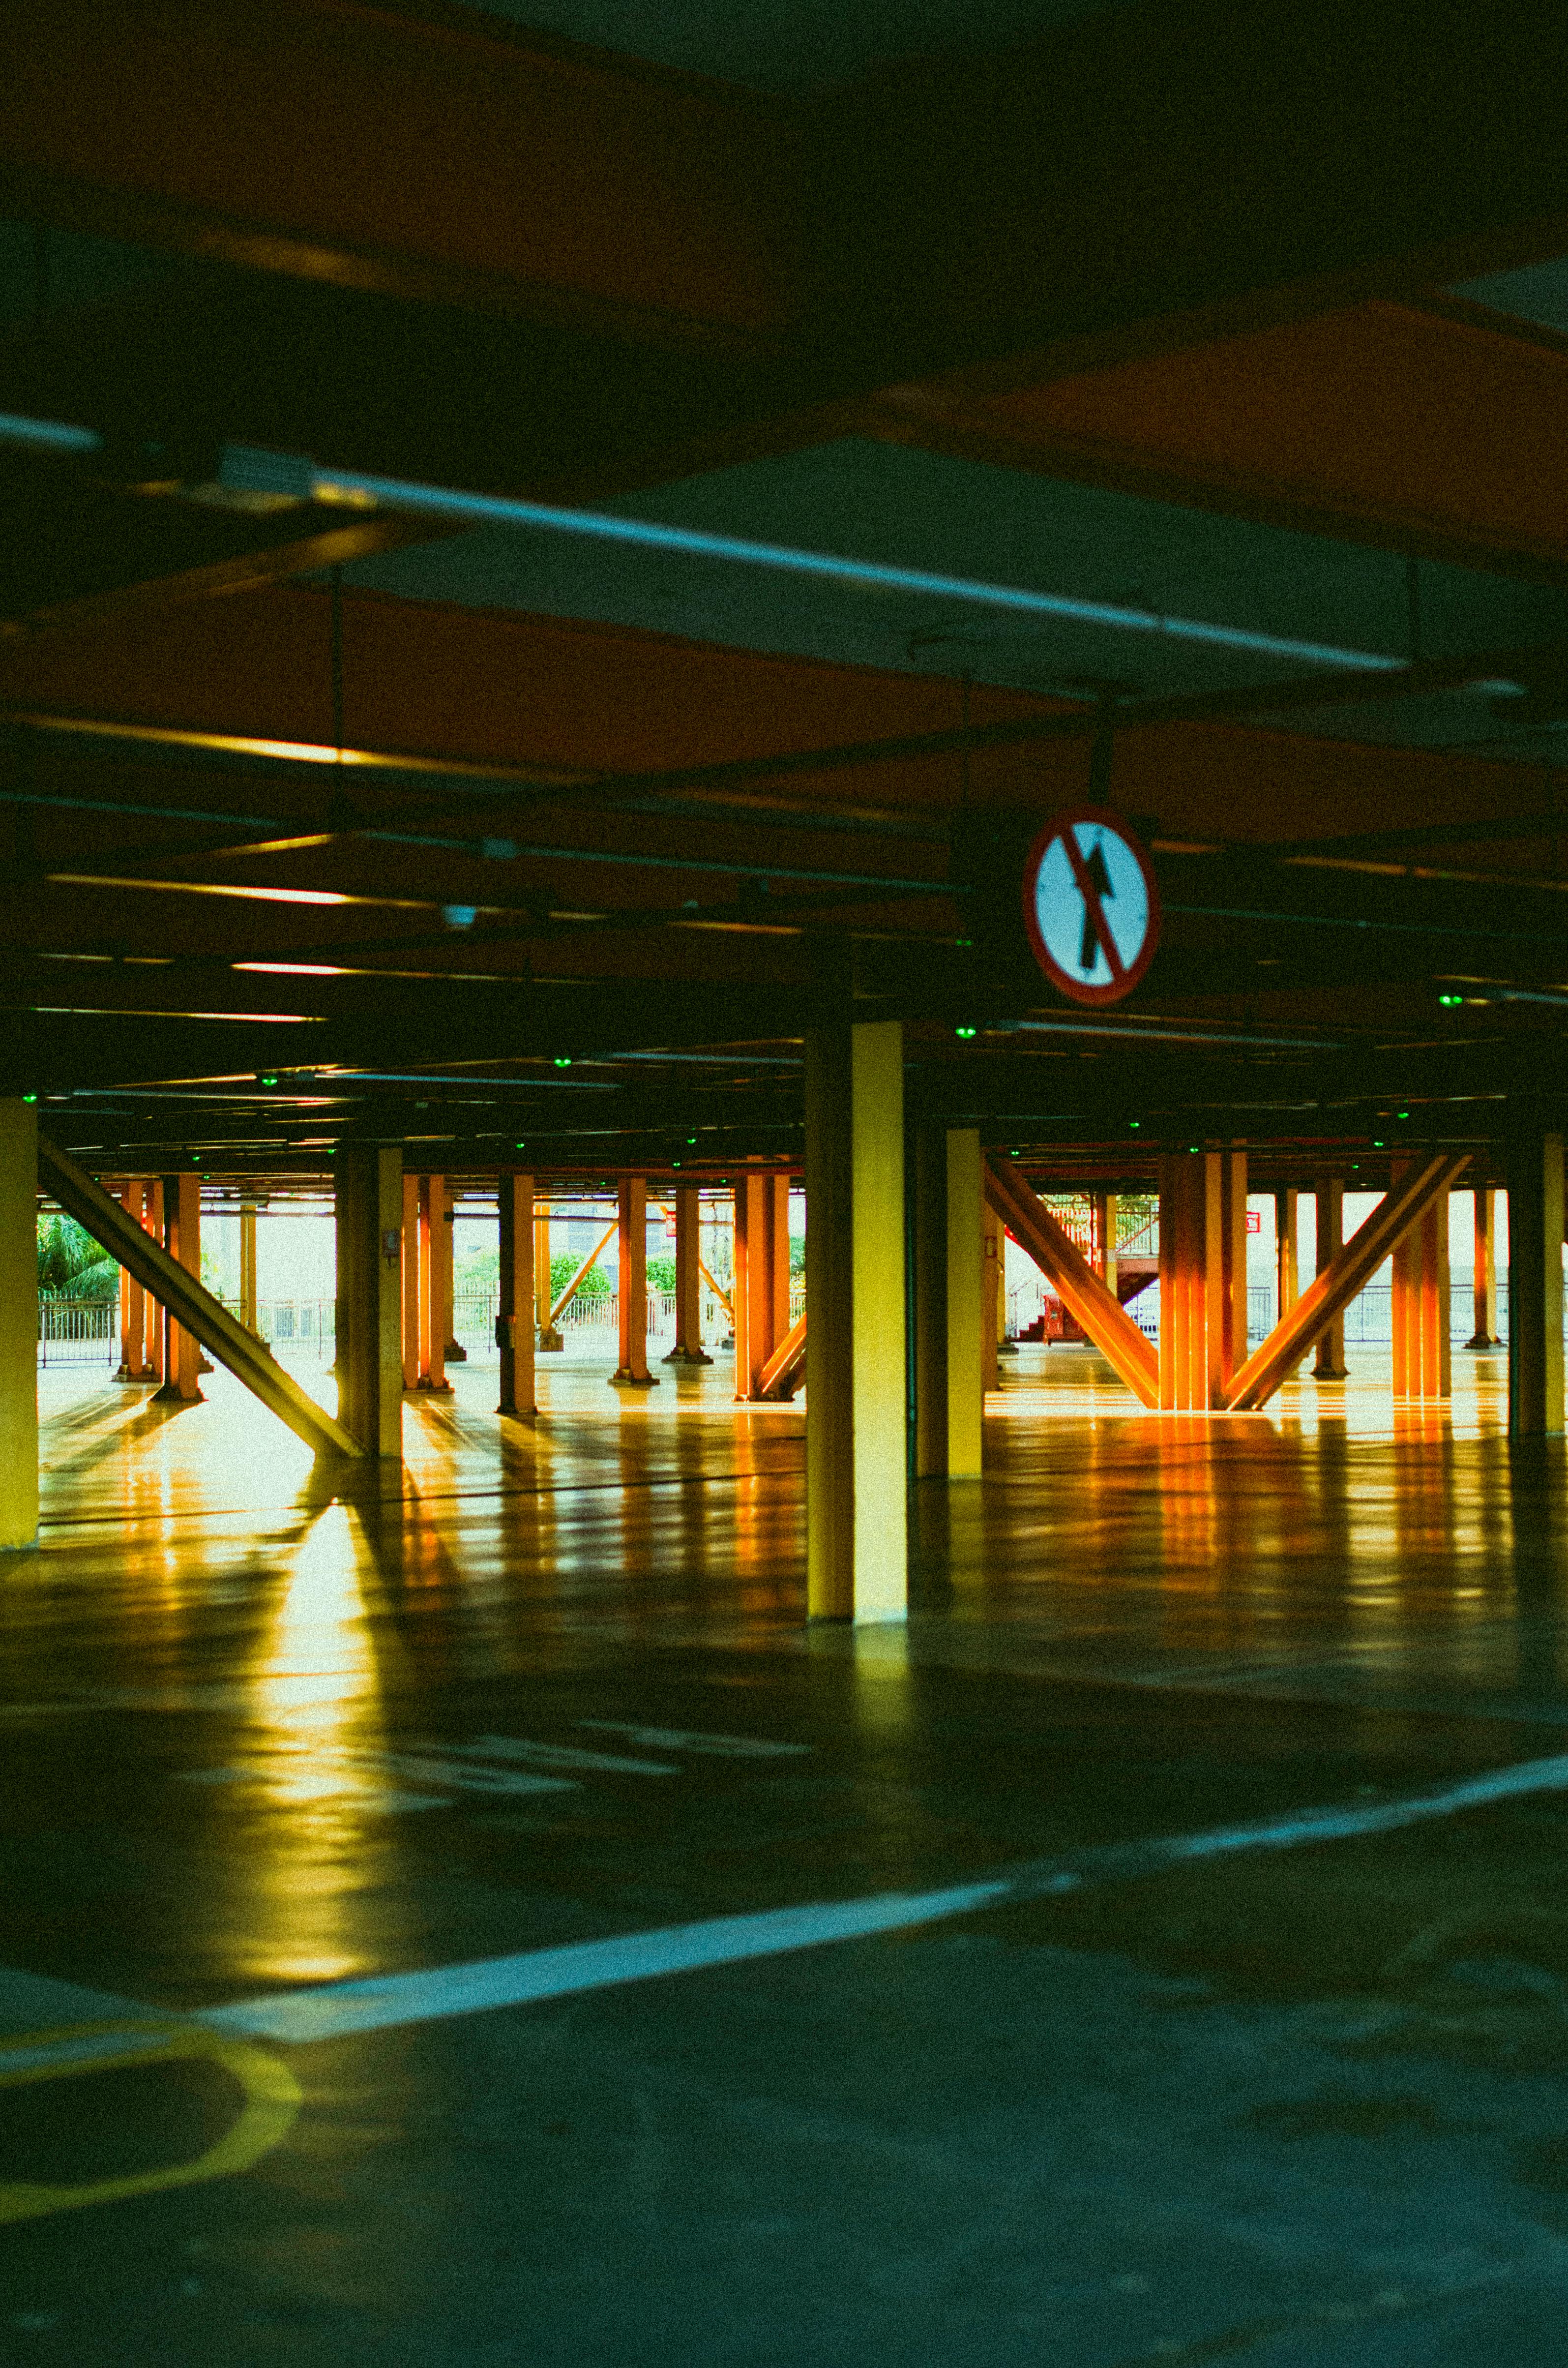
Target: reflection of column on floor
{"points": [[857, 1483], [453, 1350], [759, 1289], [1286, 1264], [632, 1287], [1535, 1284], [370, 1199], [249, 1309], [549, 1337], [949, 1268], [435, 1244], [688, 1349], [18, 1323], [182, 1239], [515, 1320], [1329, 1365], [1191, 1278], [1418, 1303], [1485, 1333]]}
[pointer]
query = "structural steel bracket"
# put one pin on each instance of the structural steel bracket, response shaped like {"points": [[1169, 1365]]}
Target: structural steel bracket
{"points": [[1274, 1360], [1062, 1262], [220, 1333]]}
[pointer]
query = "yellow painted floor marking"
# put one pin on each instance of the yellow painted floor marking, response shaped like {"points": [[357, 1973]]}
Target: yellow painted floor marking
{"points": [[272, 2098]]}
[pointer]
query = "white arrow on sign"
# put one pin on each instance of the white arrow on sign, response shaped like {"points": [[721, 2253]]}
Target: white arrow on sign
{"points": [[1091, 906]]}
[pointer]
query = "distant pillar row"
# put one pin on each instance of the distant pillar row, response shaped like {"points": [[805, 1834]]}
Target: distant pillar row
{"points": [[141, 1318], [759, 1288], [427, 1283], [1418, 1305], [856, 1378]]}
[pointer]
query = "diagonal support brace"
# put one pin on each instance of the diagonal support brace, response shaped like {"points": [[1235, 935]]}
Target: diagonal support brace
{"points": [[1062, 1262], [777, 1375], [221, 1334], [1274, 1360]]}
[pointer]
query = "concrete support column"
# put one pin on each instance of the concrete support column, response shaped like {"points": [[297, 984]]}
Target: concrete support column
{"points": [[993, 1268], [949, 1268], [1485, 1333], [136, 1310], [1192, 1275], [182, 1239], [631, 1293], [550, 1338], [453, 1350], [370, 1202], [760, 1294], [1107, 1208], [855, 1379], [249, 1305], [1418, 1305], [1287, 1265], [1232, 1267], [434, 1250], [1535, 1285], [18, 1323], [688, 1349], [1330, 1363], [409, 1222], [515, 1317], [154, 1336]]}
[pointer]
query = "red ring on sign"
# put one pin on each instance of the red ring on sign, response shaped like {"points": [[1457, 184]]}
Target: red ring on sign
{"points": [[1058, 829]]}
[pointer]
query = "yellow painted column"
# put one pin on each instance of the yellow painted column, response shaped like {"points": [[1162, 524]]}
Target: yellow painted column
{"points": [[632, 1288], [249, 1310], [1329, 1365], [965, 1318], [515, 1317], [855, 1384], [1535, 1286], [1109, 1211], [370, 1200], [18, 1323], [1485, 1333]]}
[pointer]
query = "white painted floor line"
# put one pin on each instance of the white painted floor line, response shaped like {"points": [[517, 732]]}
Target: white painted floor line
{"points": [[337, 2009]]}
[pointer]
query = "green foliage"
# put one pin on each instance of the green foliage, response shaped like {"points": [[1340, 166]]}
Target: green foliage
{"points": [[477, 1269], [661, 1274], [71, 1265], [595, 1284]]}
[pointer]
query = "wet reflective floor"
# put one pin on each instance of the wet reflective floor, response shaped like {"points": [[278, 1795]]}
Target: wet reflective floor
{"points": [[272, 1736]]}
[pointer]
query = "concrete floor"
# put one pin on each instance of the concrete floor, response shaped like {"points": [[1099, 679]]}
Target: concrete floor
{"points": [[262, 1731]]}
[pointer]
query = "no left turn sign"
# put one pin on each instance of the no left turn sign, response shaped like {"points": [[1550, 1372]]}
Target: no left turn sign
{"points": [[1090, 904]]}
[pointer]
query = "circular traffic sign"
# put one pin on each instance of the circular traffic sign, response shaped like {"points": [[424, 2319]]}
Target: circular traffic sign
{"points": [[1091, 906]]}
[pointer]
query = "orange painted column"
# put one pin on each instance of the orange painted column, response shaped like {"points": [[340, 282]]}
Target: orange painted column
{"points": [[182, 1239], [1419, 1307], [135, 1365], [993, 1268], [153, 1333], [631, 1289], [1192, 1277], [1329, 1365], [760, 1288], [1485, 1333], [688, 1349], [410, 1282], [1287, 1266], [453, 1350], [1232, 1266], [434, 1249]]}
